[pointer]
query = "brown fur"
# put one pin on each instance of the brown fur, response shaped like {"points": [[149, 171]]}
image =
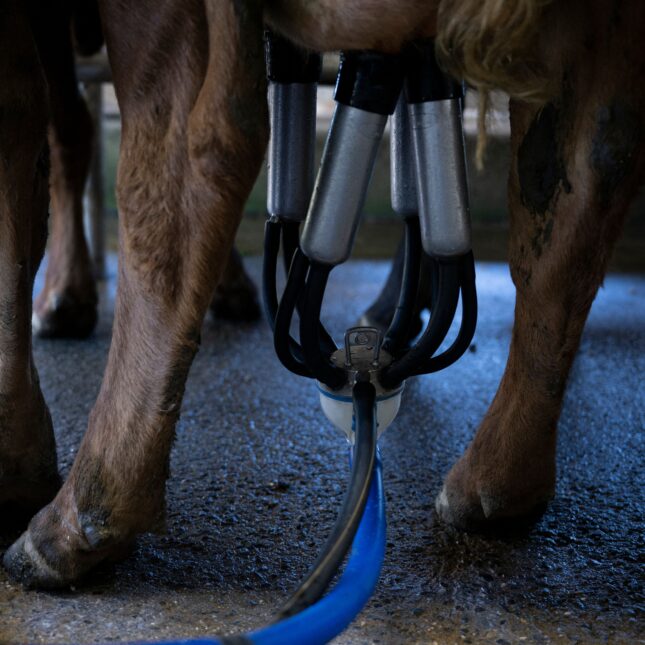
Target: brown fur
{"points": [[67, 304], [496, 44], [190, 81], [27, 450], [559, 248]]}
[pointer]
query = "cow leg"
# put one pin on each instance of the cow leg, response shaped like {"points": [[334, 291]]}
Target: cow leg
{"points": [[28, 474], [576, 165], [236, 297], [193, 102], [67, 305]]}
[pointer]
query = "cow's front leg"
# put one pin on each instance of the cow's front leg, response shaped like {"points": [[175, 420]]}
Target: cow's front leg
{"points": [[194, 133], [67, 304], [28, 474], [576, 165]]}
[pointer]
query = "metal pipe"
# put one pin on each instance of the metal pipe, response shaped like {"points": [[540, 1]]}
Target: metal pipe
{"points": [[442, 188], [290, 160], [368, 87], [403, 183], [341, 186]]}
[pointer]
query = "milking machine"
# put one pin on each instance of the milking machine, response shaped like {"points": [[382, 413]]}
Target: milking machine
{"points": [[361, 382]]}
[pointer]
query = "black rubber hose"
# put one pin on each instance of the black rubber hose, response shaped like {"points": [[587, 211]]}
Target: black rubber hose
{"points": [[434, 278], [316, 359], [291, 242], [293, 357], [468, 320], [440, 321], [398, 332], [340, 540], [269, 269], [288, 351]]}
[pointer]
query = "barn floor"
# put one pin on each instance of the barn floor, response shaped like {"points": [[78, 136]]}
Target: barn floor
{"points": [[257, 476]]}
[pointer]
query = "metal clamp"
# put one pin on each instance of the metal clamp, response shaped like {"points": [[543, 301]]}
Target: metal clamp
{"points": [[364, 340]]}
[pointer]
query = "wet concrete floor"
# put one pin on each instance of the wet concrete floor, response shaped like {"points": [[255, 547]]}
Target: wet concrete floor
{"points": [[257, 476]]}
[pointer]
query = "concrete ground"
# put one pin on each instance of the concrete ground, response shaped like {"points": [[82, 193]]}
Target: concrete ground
{"points": [[257, 476]]}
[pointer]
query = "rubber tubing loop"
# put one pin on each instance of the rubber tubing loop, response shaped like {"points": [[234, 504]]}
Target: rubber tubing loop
{"points": [[435, 333], [468, 320], [315, 358], [291, 242], [398, 332], [288, 351], [269, 269]]}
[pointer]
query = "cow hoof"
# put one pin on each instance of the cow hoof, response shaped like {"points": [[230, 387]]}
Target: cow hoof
{"points": [[237, 302], [26, 565], [469, 503], [57, 551], [64, 315]]}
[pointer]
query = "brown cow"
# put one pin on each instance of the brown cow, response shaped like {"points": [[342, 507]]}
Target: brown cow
{"points": [[191, 86], [67, 304]]}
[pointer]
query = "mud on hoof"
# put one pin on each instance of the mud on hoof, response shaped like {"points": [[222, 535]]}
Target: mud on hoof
{"points": [[65, 315]]}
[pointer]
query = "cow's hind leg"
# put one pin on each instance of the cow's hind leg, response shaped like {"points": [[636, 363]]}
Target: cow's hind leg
{"points": [[28, 474], [576, 165], [193, 101], [67, 304], [236, 297]]}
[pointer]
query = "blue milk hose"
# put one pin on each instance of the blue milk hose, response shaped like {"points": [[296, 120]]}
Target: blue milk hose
{"points": [[329, 616]]}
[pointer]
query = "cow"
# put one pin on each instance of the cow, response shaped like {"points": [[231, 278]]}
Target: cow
{"points": [[66, 307], [191, 86]]}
